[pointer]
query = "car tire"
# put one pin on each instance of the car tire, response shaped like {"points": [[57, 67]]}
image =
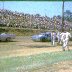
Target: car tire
{"points": [[8, 39], [43, 39]]}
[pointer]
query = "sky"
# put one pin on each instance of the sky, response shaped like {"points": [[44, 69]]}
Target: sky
{"points": [[49, 8]]}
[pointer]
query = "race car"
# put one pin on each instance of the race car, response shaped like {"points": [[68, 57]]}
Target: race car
{"points": [[42, 37], [7, 37]]}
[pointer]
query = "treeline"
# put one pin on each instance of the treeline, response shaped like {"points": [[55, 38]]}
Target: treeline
{"points": [[21, 20], [68, 15]]}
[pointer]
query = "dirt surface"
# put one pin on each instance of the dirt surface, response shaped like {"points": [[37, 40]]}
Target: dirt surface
{"points": [[23, 46], [64, 66], [28, 51]]}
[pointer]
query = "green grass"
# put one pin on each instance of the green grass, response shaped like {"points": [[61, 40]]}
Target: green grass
{"points": [[29, 63]]}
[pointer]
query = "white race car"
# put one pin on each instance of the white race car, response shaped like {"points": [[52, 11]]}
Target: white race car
{"points": [[6, 37]]}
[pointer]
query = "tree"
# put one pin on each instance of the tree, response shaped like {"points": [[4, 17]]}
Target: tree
{"points": [[68, 15], [59, 17]]}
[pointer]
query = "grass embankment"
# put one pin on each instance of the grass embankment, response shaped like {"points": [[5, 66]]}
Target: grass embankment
{"points": [[21, 31], [33, 62]]}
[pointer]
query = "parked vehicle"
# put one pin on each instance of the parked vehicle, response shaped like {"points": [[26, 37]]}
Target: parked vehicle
{"points": [[7, 37], [42, 37]]}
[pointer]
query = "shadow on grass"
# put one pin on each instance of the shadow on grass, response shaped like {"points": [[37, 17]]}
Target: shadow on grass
{"points": [[35, 46], [39, 46]]}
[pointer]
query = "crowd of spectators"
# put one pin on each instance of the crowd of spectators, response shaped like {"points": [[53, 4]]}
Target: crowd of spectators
{"points": [[21, 20]]}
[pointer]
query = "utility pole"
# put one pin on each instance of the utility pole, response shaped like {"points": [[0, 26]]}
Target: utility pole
{"points": [[63, 16], [3, 10], [55, 24]]}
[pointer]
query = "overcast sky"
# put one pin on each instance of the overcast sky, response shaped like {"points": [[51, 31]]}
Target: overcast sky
{"points": [[49, 8]]}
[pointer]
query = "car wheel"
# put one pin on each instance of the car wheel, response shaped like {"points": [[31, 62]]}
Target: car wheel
{"points": [[43, 39], [8, 39]]}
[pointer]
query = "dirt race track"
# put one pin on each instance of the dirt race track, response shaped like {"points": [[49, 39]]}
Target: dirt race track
{"points": [[23, 46]]}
